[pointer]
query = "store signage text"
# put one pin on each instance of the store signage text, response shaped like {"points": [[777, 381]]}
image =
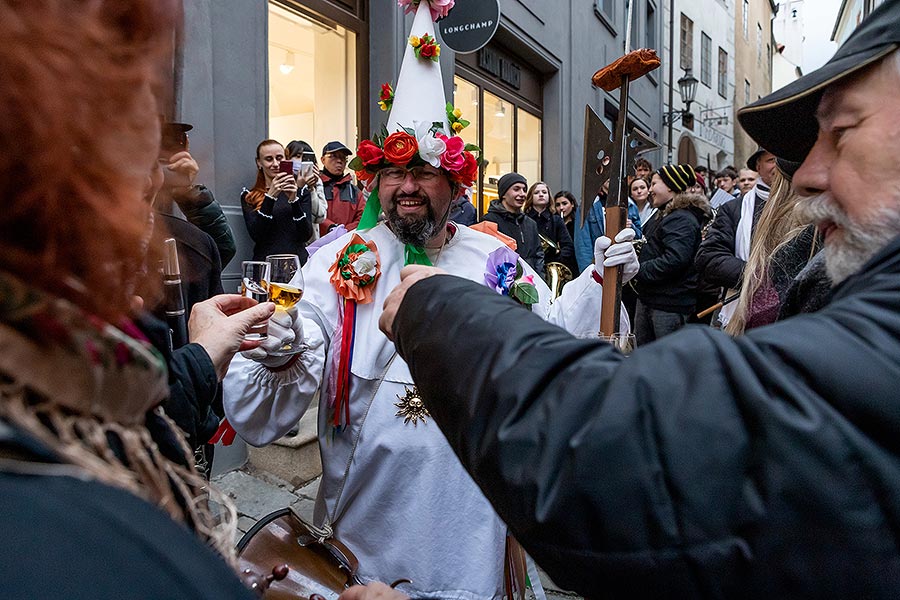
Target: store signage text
{"points": [[507, 71]]}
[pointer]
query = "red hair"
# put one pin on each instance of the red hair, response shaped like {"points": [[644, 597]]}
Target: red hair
{"points": [[78, 139], [255, 196]]}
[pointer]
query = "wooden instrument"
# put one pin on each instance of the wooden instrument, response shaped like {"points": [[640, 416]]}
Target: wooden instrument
{"points": [[317, 568]]}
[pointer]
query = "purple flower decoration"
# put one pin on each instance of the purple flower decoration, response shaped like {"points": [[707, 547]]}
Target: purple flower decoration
{"points": [[500, 272]]}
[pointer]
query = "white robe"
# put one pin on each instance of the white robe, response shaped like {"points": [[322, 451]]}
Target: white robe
{"points": [[408, 508]]}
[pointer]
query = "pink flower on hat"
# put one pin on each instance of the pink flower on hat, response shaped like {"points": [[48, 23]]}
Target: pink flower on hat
{"points": [[452, 159], [438, 8]]}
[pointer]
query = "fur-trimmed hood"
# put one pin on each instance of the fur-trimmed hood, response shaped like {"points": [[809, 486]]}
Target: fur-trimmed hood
{"points": [[696, 203]]}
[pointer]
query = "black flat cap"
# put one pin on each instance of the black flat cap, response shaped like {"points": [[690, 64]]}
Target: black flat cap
{"points": [[784, 122], [336, 147]]}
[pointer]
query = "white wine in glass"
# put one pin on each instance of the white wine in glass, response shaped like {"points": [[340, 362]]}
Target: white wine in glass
{"points": [[285, 287]]}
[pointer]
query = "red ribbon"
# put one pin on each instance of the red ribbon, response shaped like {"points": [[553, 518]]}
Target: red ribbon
{"points": [[225, 433], [342, 398]]}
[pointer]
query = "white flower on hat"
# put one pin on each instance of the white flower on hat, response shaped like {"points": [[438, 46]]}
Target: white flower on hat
{"points": [[430, 146]]}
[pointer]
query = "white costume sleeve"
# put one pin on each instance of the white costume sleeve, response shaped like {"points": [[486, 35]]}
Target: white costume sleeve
{"points": [[262, 405], [577, 310], [319, 205]]}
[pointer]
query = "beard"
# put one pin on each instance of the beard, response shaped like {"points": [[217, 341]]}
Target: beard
{"points": [[415, 231], [847, 250]]}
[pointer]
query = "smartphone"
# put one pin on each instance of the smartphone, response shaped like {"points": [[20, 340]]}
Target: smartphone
{"points": [[304, 169], [286, 166]]}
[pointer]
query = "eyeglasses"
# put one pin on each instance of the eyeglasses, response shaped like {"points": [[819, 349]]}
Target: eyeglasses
{"points": [[398, 174]]}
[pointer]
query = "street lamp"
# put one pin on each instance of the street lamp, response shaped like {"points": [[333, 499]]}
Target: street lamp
{"points": [[687, 88]]}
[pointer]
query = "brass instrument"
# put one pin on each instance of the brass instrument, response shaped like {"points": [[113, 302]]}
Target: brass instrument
{"points": [[557, 275], [547, 243]]}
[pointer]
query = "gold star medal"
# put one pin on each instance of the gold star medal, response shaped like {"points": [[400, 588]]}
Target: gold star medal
{"points": [[412, 407]]}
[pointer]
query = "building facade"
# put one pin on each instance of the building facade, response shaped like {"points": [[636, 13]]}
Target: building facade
{"points": [[849, 16], [787, 30], [703, 42], [249, 70], [753, 52]]}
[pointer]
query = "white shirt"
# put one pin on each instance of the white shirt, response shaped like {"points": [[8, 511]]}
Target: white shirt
{"points": [[408, 509]]}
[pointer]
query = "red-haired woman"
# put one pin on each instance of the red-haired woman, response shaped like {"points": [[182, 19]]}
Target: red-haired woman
{"points": [[278, 209], [100, 496]]}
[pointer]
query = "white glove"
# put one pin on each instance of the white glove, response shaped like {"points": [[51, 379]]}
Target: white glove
{"points": [[620, 253], [285, 327]]}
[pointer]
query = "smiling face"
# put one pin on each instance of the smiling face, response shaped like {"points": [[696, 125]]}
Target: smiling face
{"points": [[660, 194], [852, 173], [416, 202], [514, 198], [268, 158]]}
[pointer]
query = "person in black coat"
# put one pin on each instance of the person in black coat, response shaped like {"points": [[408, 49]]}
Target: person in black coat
{"points": [[704, 466], [507, 214], [667, 281], [277, 210], [539, 206]]}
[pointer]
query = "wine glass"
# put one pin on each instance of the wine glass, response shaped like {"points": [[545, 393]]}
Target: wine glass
{"points": [[623, 342], [254, 275], [285, 285]]}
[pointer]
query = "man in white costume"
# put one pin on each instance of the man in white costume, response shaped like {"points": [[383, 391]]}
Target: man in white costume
{"points": [[392, 489]]}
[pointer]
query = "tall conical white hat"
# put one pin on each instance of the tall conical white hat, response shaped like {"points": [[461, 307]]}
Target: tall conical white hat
{"points": [[419, 94]]}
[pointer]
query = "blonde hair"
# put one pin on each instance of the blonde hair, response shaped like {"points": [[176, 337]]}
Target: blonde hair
{"points": [[778, 225]]}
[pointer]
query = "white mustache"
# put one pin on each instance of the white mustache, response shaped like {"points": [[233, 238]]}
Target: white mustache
{"points": [[821, 209]]}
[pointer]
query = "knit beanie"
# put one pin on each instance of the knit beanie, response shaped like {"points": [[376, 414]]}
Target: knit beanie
{"points": [[509, 180], [677, 178]]}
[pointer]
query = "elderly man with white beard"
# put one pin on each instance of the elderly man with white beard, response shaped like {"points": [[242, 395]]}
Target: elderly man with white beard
{"points": [[766, 465]]}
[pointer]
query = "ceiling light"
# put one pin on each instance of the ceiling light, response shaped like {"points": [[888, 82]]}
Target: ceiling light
{"points": [[288, 65]]}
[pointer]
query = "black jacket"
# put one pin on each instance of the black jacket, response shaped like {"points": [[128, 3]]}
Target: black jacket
{"points": [[205, 213], [716, 262], [552, 226], [702, 466], [667, 279], [521, 228], [279, 226], [69, 536]]}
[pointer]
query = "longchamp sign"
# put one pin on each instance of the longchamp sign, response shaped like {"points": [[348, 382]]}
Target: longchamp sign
{"points": [[470, 25]]}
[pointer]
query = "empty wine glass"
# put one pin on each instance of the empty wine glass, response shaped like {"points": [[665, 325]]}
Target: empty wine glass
{"points": [[254, 275]]}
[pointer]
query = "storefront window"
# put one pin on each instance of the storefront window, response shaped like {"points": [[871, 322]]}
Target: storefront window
{"points": [[312, 80], [528, 146], [499, 118], [509, 136], [465, 98]]}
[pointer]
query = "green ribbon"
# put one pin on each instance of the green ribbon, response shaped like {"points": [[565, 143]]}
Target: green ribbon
{"points": [[412, 254], [370, 214]]}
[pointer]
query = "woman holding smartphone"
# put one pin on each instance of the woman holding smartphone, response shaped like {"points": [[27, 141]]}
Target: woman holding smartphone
{"points": [[277, 209], [300, 151]]}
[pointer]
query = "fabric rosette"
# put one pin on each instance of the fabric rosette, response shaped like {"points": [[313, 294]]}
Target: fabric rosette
{"points": [[504, 274], [356, 270]]}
